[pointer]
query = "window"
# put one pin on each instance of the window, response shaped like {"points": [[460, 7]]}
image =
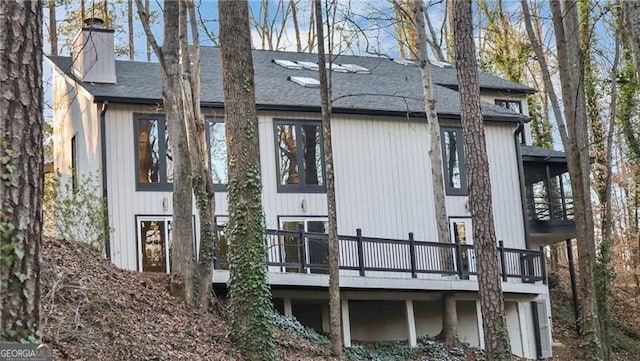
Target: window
{"points": [[461, 233], [153, 152], [154, 242], [455, 174], [154, 162], [74, 163], [217, 153], [299, 156], [317, 249], [514, 105], [222, 248]]}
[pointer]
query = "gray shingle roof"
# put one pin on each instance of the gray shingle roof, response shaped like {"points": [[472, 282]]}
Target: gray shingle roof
{"points": [[389, 87], [532, 152]]}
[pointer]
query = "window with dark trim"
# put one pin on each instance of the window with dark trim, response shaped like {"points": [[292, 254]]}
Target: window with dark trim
{"points": [[217, 142], [455, 173], [74, 163], [299, 156], [154, 163], [514, 105]]}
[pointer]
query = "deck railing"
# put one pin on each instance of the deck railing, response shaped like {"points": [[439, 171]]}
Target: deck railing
{"points": [[541, 208], [307, 252]]}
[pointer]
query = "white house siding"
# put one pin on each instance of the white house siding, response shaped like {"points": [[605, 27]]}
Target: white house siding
{"points": [[491, 96], [383, 177], [505, 186], [75, 114], [125, 203], [382, 180]]}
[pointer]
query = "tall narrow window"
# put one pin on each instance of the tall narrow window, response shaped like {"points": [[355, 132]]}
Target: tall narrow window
{"points": [[217, 153], [453, 161], [299, 156], [74, 163], [154, 159]]}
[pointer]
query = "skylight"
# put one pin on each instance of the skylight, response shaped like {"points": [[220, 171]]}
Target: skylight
{"points": [[287, 64], [305, 81], [308, 65], [337, 68], [403, 61], [354, 68]]}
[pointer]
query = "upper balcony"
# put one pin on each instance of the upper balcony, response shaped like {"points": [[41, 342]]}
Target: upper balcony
{"points": [[548, 195], [299, 258]]}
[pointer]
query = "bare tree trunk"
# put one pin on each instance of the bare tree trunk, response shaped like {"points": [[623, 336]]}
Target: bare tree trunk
{"points": [[496, 337], [296, 26], [570, 57], [53, 28], [449, 316], [132, 51], [21, 177], [201, 177], [146, 10], [334, 245], [182, 250], [631, 16], [249, 295], [311, 34]]}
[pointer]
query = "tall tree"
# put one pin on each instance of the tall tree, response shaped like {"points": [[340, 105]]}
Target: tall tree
{"points": [[602, 167], [631, 14], [201, 180], [450, 315], [182, 251], [332, 221], [21, 176], [496, 337], [131, 45], [573, 127], [249, 294], [53, 28]]}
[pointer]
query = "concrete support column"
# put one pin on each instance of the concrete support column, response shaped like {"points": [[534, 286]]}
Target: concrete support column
{"points": [[287, 307], [480, 328], [326, 322], [346, 325], [411, 324]]}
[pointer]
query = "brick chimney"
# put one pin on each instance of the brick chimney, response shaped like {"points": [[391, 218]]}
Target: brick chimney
{"points": [[93, 53]]}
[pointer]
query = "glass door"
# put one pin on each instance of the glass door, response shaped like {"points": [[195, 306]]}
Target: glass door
{"points": [[316, 248], [461, 233]]}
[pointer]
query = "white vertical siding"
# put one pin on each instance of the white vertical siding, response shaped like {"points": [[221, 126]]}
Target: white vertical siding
{"points": [[383, 177], [74, 114], [383, 180], [505, 186]]}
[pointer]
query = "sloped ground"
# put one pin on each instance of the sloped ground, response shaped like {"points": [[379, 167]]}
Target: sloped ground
{"points": [[93, 310], [625, 338]]}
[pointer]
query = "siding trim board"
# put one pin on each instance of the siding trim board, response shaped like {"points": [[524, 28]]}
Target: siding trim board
{"points": [[313, 109]]}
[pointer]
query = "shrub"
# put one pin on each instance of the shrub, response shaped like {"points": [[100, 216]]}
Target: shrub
{"points": [[75, 214]]}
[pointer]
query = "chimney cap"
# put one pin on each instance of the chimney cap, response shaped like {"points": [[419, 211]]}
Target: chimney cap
{"points": [[94, 23]]}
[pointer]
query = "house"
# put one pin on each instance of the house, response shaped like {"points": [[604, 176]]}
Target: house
{"points": [[109, 121]]}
